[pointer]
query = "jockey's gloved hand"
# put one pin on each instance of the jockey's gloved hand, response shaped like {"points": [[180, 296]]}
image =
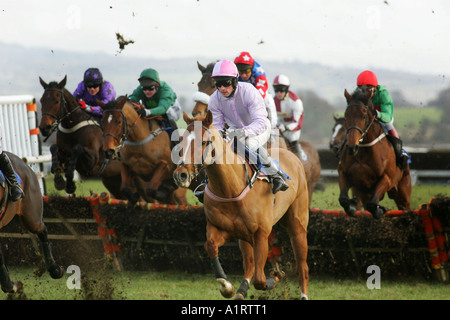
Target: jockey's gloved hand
{"points": [[281, 127], [84, 106], [291, 126], [144, 112]]}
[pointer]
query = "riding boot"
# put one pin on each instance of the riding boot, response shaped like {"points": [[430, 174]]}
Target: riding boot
{"points": [[401, 158], [174, 126], [8, 171], [300, 152], [270, 169]]}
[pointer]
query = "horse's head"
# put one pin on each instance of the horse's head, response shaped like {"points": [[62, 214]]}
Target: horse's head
{"points": [[338, 133], [196, 150], [206, 83], [53, 104], [359, 117], [115, 124], [201, 100]]}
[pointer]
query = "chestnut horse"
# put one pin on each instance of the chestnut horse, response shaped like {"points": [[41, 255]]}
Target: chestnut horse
{"points": [[144, 149], [237, 208], [30, 209], [79, 140], [367, 161]]}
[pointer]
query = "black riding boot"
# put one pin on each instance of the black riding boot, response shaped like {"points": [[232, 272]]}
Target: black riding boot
{"points": [[5, 165], [270, 169], [401, 159]]}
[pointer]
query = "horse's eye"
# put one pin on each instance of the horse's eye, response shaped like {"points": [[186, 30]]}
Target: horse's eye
{"points": [[203, 143]]}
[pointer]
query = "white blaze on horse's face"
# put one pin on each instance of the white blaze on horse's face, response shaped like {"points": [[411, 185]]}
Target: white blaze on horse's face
{"points": [[110, 117], [337, 128]]}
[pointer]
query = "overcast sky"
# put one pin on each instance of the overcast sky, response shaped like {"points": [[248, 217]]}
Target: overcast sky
{"points": [[396, 34]]}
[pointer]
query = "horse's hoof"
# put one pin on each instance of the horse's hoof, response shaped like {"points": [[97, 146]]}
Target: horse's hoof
{"points": [[15, 287], [376, 210], [239, 296], [70, 188], [60, 183], [226, 288], [56, 271]]}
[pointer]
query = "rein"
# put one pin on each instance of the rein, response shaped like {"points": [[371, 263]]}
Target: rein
{"points": [[123, 140], [363, 133]]}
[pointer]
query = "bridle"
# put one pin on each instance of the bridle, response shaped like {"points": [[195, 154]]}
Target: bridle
{"points": [[62, 108], [198, 168], [366, 121], [125, 133]]}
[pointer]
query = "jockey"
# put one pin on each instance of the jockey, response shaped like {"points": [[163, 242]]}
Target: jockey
{"points": [[94, 88], [159, 100], [288, 102], [6, 167], [384, 106], [251, 71], [157, 97], [240, 106]]}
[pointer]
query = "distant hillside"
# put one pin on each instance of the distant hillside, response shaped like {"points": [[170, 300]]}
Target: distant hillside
{"points": [[22, 66]]}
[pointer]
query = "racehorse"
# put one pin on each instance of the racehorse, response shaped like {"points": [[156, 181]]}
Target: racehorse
{"points": [[30, 209], [79, 140], [367, 161], [235, 207], [144, 148], [338, 137]]}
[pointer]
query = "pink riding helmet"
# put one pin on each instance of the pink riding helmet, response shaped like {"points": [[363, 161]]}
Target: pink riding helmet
{"points": [[225, 68]]}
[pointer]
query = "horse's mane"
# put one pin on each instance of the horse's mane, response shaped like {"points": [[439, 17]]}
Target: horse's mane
{"points": [[360, 95], [113, 104], [209, 69]]}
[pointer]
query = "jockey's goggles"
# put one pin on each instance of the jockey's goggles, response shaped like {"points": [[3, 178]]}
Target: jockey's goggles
{"points": [[245, 71], [92, 85], [281, 88], [150, 88], [225, 83]]}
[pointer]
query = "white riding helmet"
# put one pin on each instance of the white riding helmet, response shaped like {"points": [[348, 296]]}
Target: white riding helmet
{"points": [[281, 80]]}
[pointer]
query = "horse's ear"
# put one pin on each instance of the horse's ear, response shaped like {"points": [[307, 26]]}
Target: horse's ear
{"points": [[186, 118], [208, 119], [62, 84], [347, 95], [43, 83], [200, 67]]}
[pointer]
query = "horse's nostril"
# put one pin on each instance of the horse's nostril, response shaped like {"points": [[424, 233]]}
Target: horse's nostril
{"points": [[109, 153], [183, 176]]}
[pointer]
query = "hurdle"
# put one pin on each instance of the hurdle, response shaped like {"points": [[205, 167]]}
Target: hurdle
{"points": [[20, 132]]}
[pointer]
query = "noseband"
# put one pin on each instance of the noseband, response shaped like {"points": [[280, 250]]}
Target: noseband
{"points": [[367, 125]]}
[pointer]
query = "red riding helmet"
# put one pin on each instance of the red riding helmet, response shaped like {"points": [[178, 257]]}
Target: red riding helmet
{"points": [[367, 78], [244, 61]]}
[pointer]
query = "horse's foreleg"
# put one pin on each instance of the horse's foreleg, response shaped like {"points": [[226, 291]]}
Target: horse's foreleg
{"points": [[214, 239], [125, 188], [77, 151], [60, 183], [7, 285], [349, 205], [55, 270], [260, 251], [373, 205], [249, 269], [158, 176]]}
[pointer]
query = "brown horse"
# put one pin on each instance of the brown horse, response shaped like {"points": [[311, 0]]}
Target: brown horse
{"points": [[79, 140], [145, 153], [30, 209], [368, 163], [237, 208]]}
